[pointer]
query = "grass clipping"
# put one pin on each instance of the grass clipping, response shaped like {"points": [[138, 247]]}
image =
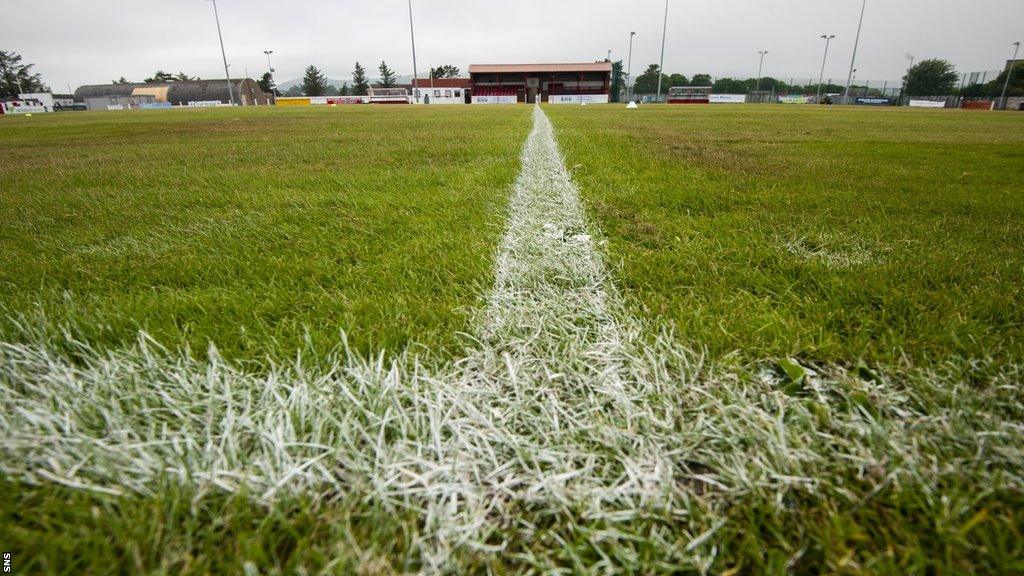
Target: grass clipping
{"points": [[563, 414]]}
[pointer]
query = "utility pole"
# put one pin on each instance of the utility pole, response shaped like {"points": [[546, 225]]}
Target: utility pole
{"points": [[412, 34], [853, 60], [269, 65], [227, 75], [629, 69], [661, 65], [828, 38], [760, 67], [1009, 72]]}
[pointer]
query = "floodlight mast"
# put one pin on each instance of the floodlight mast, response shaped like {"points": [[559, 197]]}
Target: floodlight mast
{"points": [[760, 67], [906, 80], [1009, 71], [661, 65], [269, 65], [412, 35], [853, 60], [227, 75], [828, 38], [629, 69]]}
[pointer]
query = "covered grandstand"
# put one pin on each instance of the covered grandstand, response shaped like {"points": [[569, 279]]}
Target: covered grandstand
{"points": [[557, 83], [183, 93]]}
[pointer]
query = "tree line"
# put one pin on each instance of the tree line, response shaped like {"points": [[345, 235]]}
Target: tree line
{"points": [[315, 82], [17, 78], [932, 77]]}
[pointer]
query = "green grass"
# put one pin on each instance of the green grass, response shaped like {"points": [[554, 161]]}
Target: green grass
{"points": [[254, 229], [829, 235], [832, 236]]}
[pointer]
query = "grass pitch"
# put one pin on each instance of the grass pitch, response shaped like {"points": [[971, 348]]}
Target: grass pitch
{"points": [[566, 442], [829, 235], [263, 231]]}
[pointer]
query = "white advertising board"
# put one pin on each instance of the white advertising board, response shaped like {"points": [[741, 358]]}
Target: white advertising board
{"points": [[578, 99], [21, 107], [44, 98], [113, 107], [494, 100], [727, 98], [204, 103], [927, 104], [794, 100]]}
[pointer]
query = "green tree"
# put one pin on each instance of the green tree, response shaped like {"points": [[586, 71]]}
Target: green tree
{"points": [[995, 87], [266, 83], [121, 80], [13, 73], [345, 90], [445, 71], [677, 80], [294, 91], [314, 83], [331, 90], [160, 77], [360, 85], [182, 77], [730, 86], [701, 80], [647, 83], [618, 81], [387, 75], [932, 77]]}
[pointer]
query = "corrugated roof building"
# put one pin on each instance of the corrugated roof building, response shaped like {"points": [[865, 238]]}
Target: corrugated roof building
{"points": [[579, 82], [245, 91]]}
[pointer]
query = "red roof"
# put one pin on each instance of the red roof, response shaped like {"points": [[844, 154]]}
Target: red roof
{"points": [[534, 68], [443, 83]]}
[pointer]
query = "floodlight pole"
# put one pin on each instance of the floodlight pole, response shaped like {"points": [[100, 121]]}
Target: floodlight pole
{"points": [[760, 67], [269, 65], [828, 38], [1009, 72], [853, 60], [906, 81], [412, 35], [227, 75], [629, 69], [661, 65]]}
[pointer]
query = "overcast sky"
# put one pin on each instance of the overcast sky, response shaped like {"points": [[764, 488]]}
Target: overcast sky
{"points": [[80, 42]]}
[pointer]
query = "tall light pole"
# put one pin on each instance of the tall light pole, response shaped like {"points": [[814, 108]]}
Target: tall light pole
{"points": [[906, 80], [227, 75], [828, 38], [661, 65], [269, 65], [760, 67], [853, 60], [412, 34], [609, 57], [629, 69], [1009, 72]]}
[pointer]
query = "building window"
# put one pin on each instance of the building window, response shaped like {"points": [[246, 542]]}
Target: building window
{"points": [[437, 93], [458, 93], [447, 93]]}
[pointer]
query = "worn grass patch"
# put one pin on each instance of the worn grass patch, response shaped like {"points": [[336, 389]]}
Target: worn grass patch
{"points": [[256, 229]]}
